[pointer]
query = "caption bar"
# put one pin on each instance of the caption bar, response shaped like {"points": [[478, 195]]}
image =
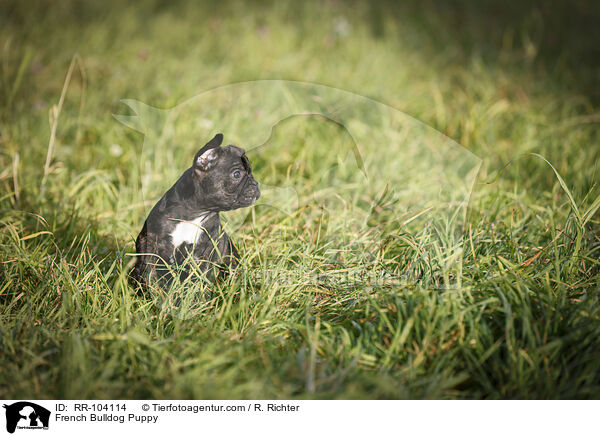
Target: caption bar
{"points": [[266, 417]]}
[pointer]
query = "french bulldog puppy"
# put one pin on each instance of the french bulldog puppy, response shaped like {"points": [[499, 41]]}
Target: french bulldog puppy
{"points": [[183, 235]]}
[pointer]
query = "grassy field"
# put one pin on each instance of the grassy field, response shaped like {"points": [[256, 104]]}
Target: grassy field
{"points": [[502, 81]]}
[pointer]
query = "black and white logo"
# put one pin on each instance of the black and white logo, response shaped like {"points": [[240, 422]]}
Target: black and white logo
{"points": [[26, 415]]}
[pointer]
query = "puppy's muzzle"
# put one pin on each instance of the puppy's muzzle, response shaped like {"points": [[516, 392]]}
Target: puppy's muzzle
{"points": [[250, 193]]}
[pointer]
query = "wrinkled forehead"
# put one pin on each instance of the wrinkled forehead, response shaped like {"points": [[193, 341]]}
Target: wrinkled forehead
{"points": [[237, 152], [234, 150]]}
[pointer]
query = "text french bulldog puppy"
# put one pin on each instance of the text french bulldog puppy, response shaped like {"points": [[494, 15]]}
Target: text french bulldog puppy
{"points": [[183, 231]]}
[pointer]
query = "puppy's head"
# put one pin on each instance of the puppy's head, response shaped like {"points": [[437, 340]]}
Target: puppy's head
{"points": [[224, 176]]}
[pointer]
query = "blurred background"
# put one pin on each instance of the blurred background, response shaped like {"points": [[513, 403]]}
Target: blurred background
{"points": [[446, 63], [498, 77]]}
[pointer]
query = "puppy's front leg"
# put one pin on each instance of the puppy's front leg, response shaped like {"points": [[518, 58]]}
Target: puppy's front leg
{"points": [[232, 259]]}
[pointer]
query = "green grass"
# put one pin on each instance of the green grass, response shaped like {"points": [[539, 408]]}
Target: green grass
{"points": [[524, 320]]}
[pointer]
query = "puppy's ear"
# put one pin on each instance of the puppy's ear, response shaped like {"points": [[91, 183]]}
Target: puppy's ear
{"points": [[246, 163], [206, 160], [207, 156], [215, 142]]}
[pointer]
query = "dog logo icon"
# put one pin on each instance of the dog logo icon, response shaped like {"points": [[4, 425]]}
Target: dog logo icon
{"points": [[26, 415]]}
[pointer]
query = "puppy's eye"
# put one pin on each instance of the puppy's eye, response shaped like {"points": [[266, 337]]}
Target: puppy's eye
{"points": [[236, 174]]}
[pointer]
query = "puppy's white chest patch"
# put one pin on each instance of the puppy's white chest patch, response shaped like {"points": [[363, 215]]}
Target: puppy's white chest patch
{"points": [[188, 231]]}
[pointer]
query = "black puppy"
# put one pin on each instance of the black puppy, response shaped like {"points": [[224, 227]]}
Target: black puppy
{"points": [[183, 231]]}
